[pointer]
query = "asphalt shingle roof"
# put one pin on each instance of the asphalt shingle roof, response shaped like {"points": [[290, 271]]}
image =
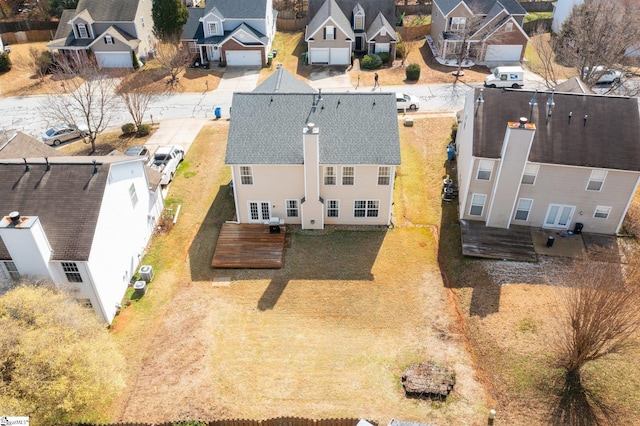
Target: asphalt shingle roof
{"points": [[355, 128], [329, 9], [482, 6], [608, 138], [238, 9], [110, 10], [22, 145], [67, 200], [371, 9]]}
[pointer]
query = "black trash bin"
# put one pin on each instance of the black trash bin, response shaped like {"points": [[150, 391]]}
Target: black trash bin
{"points": [[550, 241], [577, 229]]}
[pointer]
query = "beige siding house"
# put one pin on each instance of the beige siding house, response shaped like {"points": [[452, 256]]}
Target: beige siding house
{"points": [[308, 158], [550, 160]]}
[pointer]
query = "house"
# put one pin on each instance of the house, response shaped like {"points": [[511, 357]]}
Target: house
{"points": [[81, 222], [235, 33], [115, 32], [573, 158], [310, 158], [336, 28], [491, 29]]}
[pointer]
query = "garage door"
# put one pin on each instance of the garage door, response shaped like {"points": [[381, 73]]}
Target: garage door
{"points": [[114, 59], [503, 53], [319, 56], [243, 58], [340, 56]]}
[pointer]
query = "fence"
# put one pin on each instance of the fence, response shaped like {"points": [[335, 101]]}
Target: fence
{"points": [[280, 421], [414, 33], [296, 24], [539, 25], [537, 6], [27, 31]]}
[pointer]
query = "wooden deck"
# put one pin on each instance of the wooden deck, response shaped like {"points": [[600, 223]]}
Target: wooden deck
{"points": [[249, 246], [479, 240]]}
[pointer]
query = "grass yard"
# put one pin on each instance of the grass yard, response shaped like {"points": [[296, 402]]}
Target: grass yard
{"points": [[329, 335], [534, 62]]}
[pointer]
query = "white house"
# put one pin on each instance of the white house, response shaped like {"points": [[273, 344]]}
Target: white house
{"points": [[83, 222]]}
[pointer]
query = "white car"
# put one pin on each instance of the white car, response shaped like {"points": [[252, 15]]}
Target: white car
{"points": [[405, 101], [62, 133], [608, 76]]}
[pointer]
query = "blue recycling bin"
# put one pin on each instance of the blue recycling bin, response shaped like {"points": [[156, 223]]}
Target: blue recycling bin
{"points": [[451, 153], [218, 112]]}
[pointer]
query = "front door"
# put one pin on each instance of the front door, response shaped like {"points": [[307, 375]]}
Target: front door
{"points": [[559, 216], [213, 53], [259, 211], [359, 43]]}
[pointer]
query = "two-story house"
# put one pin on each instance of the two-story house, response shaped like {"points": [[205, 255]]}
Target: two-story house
{"points": [[572, 158], [312, 158], [115, 32], [336, 28], [235, 33], [81, 222], [490, 30]]}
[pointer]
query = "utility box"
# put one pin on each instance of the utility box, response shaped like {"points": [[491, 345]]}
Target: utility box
{"points": [[146, 273]]}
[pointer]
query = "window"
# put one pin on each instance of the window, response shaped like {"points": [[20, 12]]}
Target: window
{"points": [[292, 208], [329, 175], [509, 27], [192, 47], [246, 175], [596, 180], [333, 208], [108, 39], [359, 25], [348, 175], [149, 38], [330, 33], [82, 31], [72, 272], [213, 28], [458, 24], [523, 209], [142, 21], [133, 196], [602, 212], [384, 175], [477, 204], [366, 208], [530, 173], [485, 167], [11, 268]]}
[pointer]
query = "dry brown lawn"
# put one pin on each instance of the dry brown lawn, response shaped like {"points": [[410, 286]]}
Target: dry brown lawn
{"points": [[105, 143], [329, 335], [156, 80]]}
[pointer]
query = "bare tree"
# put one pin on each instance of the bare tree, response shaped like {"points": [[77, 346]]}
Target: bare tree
{"points": [[173, 58], [36, 61], [407, 47], [596, 35], [601, 314], [136, 96], [89, 98], [546, 67]]}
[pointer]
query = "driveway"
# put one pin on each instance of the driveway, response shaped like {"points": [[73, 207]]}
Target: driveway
{"points": [[330, 80], [239, 79], [179, 132]]}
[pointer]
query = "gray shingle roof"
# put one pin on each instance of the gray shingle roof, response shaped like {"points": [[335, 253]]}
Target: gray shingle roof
{"points": [[573, 85], [21, 145], [329, 9], [379, 23], [483, 6], [110, 10], [67, 199], [282, 81], [355, 128], [238, 9], [608, 139], [64, 28], [192, 30], [371, 9]]}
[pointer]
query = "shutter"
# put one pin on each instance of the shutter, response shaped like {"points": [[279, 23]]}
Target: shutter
{"points": [[334, 32], [105, 40], [325, 33]]}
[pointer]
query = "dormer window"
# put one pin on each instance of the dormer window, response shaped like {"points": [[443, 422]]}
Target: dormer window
{"points": [[108, 39], [383, 32], [82, 31], [330, 32], [213, 28], [458, 24], [359, 22]]}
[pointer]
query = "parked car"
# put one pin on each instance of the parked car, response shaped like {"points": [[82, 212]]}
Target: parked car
{"points": [[62, 133], [137, 151], [608, 76], [405, 101], [166, 160]]}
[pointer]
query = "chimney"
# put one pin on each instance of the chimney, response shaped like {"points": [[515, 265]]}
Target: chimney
{"points": [[27, 244], [312, 208]]}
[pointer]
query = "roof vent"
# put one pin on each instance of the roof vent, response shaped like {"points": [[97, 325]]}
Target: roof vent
{"points": [[523, 121], [310, 126], [15, 217]]}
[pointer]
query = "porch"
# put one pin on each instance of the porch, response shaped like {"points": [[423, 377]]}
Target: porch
{"points": [[249, 246]]}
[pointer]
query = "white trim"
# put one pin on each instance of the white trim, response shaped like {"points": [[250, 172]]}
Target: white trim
{"points": [[235, 192], [557, 225], [387, 176], [342, 176], [603, 209], [337, 208], [591, 179], [259, 206], [535, 176], [626, 209], [471, 205], [323, 25], [486, 164], [296, 208], [365, 208], [325, 175], [246, 175], [390, 204], [517, 209]]}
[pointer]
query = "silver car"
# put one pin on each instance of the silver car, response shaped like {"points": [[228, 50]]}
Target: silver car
{"points": [[62, 133]]}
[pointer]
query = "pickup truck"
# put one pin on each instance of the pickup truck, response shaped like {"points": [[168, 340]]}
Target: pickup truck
{"points": [[166, 160]]}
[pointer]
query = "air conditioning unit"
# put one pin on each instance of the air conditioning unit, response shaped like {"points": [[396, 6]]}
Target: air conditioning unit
{"points": [[146, 273], [140, 287]]}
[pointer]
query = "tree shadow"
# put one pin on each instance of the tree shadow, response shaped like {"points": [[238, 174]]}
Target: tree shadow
{"points": [[578, 406]]}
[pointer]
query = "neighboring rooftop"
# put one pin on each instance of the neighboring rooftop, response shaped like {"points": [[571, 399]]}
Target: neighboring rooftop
{"points": [[21, 145], [282, 81]]}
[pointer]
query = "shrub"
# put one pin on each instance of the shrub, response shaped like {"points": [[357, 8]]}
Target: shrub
{"points": [[371, 62], [5, 62], [144, 129], [399, 50], [413, 72], [44, 62], [134, 60], [454, 131], [385, 57], [128, 128]]}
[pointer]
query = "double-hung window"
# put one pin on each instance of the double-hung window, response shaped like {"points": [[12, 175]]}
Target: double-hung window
{"points": [[348, 175], [72, 272], [384, 175], [246, 175], [108, 39], [477, 204], [12, 270], [530, 174], [329, 175], [602, 212], [596, 180], [82, 31], [292, 208], [485, 167], [333, 208], [523, 209], [366, 208]]}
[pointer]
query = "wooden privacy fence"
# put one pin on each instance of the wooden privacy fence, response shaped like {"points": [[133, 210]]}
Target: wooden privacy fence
{"points": [[279, 421], [539, 25], [414, 33], [27, 36], [295, 24]]}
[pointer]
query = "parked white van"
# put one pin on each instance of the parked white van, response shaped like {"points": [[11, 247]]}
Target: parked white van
{"points": [[505, 77]]}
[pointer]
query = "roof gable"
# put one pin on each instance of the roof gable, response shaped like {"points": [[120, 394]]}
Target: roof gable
{"points": [[282, 81], [565, 137], [481, 6], [329, 12], [238, 9], [371, 9]]}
